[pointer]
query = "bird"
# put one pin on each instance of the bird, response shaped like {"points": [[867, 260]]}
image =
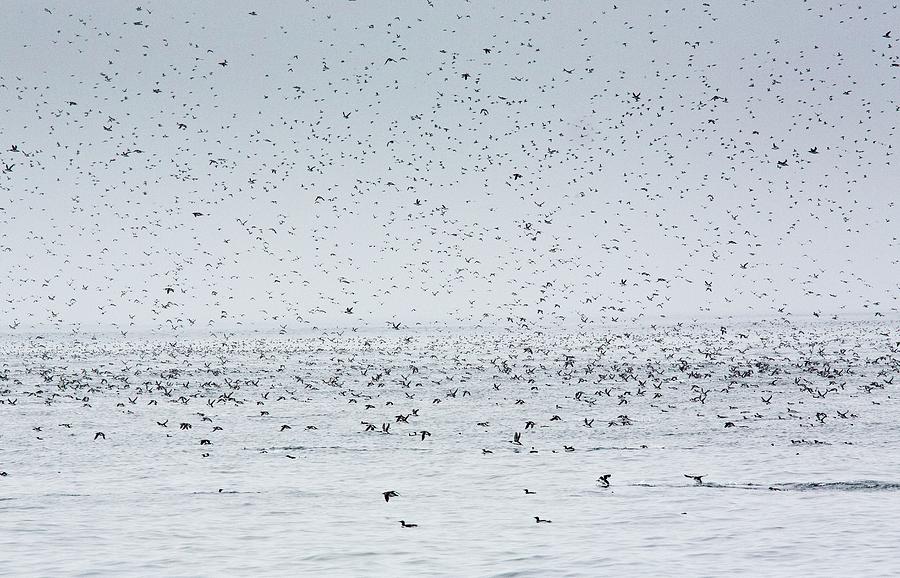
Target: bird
{"points": [[604, 480], [696, 478], [405, 524], [389, 494], [540, 520]]}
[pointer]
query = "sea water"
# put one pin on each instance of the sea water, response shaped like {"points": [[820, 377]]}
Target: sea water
{"points": [[805, 481]]}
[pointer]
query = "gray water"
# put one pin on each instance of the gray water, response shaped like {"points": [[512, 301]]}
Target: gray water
{"points": [[787, 490]]}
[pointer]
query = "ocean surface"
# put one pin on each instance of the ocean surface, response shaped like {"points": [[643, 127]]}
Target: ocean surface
{"points": [[793, 426]]}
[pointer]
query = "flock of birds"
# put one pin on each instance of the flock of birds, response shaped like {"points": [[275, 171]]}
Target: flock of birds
{"points": [[263, 398], [466, 163], [534, 173]]}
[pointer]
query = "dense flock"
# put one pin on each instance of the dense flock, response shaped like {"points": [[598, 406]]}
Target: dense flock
{"points": [[487, 393]]}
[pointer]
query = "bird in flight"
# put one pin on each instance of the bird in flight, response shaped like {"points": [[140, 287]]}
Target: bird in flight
{"points": [[696, 478]]}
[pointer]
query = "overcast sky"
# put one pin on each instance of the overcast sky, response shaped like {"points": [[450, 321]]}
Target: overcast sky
{"points": [[561, 163]]}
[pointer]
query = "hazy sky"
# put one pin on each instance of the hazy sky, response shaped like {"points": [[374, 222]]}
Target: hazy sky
{"points": [[565, 162]]}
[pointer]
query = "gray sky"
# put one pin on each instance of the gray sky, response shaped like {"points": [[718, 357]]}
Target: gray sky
{"points": [[573, 162]]}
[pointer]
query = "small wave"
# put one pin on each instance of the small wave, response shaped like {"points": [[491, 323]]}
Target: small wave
{"points": [[221, 492], [852, 486], [618, 448], [65, 495]]}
